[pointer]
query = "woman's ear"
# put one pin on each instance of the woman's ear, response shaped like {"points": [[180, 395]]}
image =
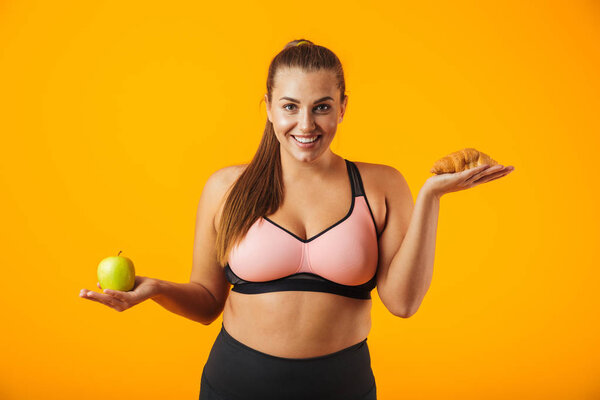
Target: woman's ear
{"points": [[268, 108], [343, 109]]}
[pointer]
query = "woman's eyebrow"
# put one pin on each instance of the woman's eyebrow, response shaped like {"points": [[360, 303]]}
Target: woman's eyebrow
{"points": [[297, 101]]}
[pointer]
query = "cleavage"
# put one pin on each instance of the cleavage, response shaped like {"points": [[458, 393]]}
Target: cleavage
{"points": [[321, 212]]}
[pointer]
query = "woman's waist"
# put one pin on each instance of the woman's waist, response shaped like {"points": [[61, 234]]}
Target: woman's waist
{"points": [[296, 324]]}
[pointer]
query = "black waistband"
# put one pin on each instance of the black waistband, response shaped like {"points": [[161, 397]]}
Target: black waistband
{"points": [[234, 342]]}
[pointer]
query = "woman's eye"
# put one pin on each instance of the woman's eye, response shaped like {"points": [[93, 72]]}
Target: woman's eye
{"points": [[293, 105]]}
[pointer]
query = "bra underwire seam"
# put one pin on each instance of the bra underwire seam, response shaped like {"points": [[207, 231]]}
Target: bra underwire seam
{"points": [[301, 259]]}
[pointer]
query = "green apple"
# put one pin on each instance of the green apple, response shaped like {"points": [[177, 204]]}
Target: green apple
{"points": [[116, 273]]}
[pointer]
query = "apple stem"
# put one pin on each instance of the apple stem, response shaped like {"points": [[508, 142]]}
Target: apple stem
{"points": [[119, 252]]}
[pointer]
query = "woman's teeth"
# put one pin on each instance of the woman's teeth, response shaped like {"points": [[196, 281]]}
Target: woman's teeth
{"points": [[305, 140]]}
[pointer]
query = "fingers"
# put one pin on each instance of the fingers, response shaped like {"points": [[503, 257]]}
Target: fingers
{"points": [[105, 299], [478, 172], [495, 174]]}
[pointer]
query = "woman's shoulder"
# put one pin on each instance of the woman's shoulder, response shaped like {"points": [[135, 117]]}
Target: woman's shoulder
{"points": [[381, 180], [228, 174], [379, 173], [220, 182]]}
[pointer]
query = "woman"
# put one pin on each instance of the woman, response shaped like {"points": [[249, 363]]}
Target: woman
{"points": [[304, 235]]}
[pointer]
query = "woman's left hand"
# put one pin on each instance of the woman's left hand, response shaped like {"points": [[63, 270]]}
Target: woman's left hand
{"points": [[455, 181]]}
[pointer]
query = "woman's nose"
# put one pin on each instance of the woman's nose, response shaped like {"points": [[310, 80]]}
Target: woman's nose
{"points": [[306, 121]]}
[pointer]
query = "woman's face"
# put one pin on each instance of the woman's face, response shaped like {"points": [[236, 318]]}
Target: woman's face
{"points": [[305, 105]]}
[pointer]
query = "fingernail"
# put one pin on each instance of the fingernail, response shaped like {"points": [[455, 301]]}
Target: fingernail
{"points": [[89, 293]]}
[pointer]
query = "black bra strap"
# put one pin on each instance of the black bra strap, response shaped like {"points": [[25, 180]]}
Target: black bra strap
{"points": [[355, 180]]}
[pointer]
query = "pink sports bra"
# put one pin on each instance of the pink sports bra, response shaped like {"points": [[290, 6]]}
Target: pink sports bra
{"points": [[342, 259]]}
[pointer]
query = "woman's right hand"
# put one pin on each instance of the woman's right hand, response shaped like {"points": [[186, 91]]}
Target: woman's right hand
{"points": [[143, 289]]}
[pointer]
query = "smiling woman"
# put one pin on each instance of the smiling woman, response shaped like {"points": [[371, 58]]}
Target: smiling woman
{"points": [[291, 278], [303, 235], [303, 119]]}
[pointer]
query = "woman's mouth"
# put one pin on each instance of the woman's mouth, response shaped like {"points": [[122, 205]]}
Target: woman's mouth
{"points": [[306, 141]]}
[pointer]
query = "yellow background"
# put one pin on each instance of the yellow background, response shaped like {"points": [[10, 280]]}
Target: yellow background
{"points": [[113, 115]]}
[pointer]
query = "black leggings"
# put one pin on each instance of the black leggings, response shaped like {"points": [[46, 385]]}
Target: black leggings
{"points": [[235, 371]]}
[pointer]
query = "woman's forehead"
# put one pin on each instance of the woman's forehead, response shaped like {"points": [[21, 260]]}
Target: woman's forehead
{"points": [[298, 73], [299, 81]]}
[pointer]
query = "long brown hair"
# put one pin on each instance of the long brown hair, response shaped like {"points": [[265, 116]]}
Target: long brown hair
{"points": [[259, 191]]}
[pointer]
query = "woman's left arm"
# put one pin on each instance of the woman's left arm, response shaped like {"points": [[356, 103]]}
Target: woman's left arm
{"points": [[406, 254]]}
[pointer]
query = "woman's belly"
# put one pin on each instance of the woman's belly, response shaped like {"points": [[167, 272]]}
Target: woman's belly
{"points": [[297, 324]]}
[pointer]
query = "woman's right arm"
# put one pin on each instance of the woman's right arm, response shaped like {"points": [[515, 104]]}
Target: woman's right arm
{"points": [[202, 299], [190, 300]]}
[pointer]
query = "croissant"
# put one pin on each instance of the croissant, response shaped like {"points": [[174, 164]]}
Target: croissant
{"points": [[460, 161]]}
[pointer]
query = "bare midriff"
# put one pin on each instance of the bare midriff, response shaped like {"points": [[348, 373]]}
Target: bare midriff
{"points": [[297, 324]]}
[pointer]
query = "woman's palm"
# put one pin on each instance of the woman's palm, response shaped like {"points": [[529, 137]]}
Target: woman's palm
{"points": [[143, 289]]}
